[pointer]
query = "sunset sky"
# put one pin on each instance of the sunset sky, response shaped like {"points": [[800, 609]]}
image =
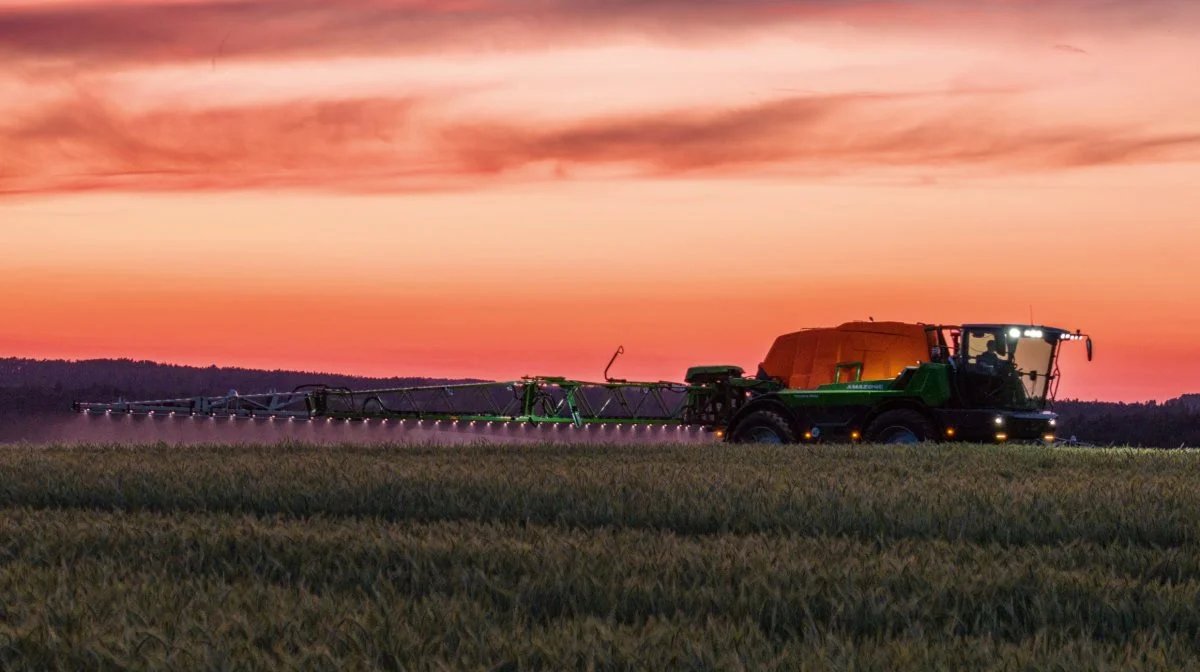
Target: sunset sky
{"points": [[494, 188]]}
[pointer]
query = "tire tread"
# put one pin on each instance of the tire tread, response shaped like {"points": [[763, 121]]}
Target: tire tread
{"points": [[905, 417], [777, 422]]}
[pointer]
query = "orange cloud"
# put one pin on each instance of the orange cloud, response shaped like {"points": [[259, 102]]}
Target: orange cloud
{"points": [[381, 144]]}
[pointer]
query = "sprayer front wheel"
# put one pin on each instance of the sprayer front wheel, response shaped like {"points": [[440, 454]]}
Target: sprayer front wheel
{"points": [[763, 427], [900, 426]]}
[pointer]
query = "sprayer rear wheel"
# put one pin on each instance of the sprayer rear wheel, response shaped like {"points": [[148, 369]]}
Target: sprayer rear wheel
{"points": [[900, 426], [763, 427]]}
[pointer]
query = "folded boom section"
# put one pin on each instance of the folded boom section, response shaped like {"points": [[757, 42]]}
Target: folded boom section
{"points": [[531, 399]]}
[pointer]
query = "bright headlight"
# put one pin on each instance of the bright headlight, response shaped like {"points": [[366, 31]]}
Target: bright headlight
{"points": [[999, 419], [1014, 333]]}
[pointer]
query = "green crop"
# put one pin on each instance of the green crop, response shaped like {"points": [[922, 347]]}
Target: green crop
{"points": [[598, 557]]}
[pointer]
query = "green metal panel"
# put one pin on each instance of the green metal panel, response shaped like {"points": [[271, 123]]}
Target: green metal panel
{"points": [[930, 384]]}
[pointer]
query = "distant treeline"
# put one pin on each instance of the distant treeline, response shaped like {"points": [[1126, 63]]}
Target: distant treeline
{"points": [[35, 387], [1172, 424]]}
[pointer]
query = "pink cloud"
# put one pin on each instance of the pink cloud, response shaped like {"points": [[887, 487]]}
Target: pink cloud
{"points": [[89, 143], [381, 144]]}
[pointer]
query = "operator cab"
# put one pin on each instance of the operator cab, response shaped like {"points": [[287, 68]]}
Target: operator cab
{"points": [[1009, 366]]}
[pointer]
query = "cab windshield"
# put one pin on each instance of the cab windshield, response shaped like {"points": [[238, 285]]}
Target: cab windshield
{"points": [[1023, 358]]}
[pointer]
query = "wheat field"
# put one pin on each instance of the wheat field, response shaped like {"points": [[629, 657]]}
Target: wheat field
{"points": [[598, 557]]}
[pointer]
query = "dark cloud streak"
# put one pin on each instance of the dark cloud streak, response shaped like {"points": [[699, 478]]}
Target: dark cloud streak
{"points": [[831, 133], [1069, 48], [147, 33], [110, 33]]}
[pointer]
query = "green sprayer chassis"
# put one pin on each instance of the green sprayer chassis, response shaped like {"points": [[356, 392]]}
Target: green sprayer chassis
{"points": [[982, 383]]}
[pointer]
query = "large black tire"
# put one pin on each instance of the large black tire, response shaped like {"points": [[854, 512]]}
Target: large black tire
{"points": [[900, 426], [763, 427]]}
